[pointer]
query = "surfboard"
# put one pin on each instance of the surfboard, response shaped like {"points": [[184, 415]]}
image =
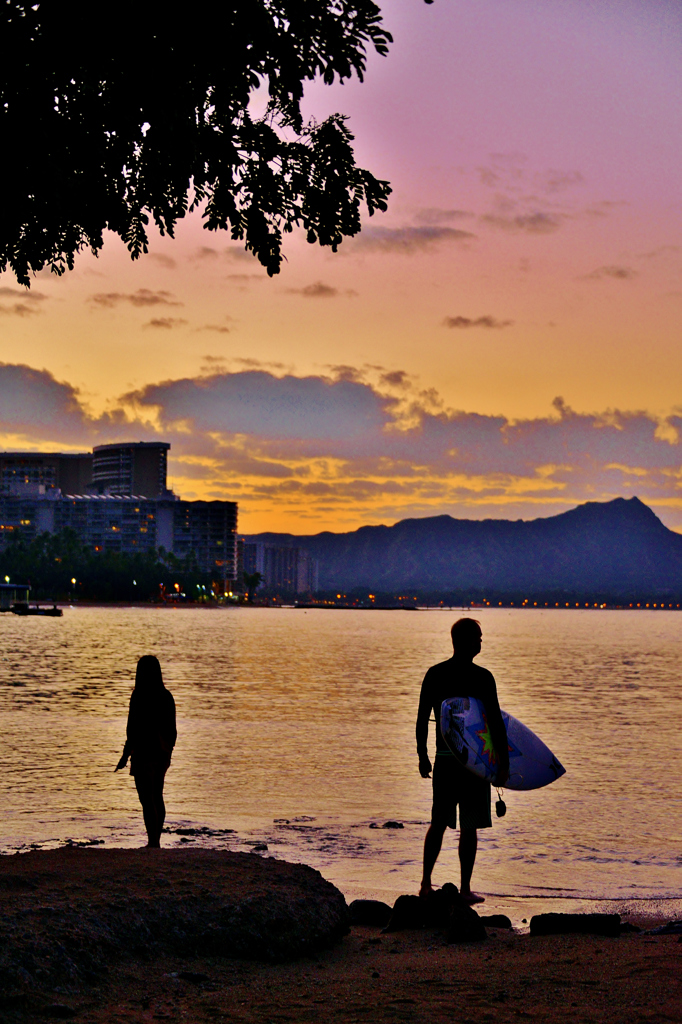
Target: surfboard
{"points": [[465, 729]]}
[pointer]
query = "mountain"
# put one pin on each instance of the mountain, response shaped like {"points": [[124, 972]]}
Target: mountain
{"points": [[620, 547]]}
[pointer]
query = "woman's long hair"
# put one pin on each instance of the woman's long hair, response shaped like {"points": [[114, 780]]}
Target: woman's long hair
{"points": [[148, 678]]}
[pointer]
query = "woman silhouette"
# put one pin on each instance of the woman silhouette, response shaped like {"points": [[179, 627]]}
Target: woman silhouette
{"points": [[151, 736]]}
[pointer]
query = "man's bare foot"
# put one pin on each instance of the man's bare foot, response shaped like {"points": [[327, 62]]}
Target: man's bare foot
{"points": [[472, 897], [426, 889]]}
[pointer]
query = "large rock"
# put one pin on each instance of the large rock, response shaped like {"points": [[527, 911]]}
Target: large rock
{"points": [[65, 914]]}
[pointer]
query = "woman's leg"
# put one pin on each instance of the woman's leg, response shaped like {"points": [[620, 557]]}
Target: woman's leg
{"points": [[147, 790], [160, 805]]}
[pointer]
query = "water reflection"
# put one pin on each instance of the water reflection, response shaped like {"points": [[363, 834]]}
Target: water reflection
{"points": [[291, 715]]}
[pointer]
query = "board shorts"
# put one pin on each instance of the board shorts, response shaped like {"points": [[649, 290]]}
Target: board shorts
{"points": [[453, 785]]}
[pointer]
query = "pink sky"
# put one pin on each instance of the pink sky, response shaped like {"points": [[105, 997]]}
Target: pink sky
{"points": [[531, 250]]}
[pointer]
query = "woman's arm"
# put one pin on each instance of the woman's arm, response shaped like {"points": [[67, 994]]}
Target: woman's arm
{"points": [[128, 746]]}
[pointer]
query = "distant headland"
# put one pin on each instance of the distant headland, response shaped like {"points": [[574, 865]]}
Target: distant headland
{"points": [[615, 552]]}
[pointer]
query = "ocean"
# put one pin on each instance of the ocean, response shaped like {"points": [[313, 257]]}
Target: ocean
{"points": [[296, 733]]}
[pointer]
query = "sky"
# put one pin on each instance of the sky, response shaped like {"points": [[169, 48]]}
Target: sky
{"points": [[504, 342]]}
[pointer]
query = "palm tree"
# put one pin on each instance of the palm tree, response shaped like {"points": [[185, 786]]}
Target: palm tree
{"points": [[253, 581]]}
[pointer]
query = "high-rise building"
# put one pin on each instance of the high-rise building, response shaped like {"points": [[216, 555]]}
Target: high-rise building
{"points": [[137, 468], [25, 473], [283, 567], [123, 517]]}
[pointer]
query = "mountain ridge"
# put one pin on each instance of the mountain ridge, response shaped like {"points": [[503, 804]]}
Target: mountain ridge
{"points": [[620, 545]]}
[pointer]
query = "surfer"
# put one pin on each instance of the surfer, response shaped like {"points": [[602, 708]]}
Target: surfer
{"points": [[453, 785], [151, 736]]}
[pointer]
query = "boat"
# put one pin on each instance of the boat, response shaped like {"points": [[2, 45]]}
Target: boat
{"points": [[14, 598], [36, 609]]}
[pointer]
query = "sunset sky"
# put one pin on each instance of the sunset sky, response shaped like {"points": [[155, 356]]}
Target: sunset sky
{"points": [[504, 342]]}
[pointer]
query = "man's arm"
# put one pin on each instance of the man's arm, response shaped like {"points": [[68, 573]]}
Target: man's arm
{"points": [[498, 734], [422, 730]]}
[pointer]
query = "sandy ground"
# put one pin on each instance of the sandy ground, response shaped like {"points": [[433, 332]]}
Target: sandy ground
{"points": [[405, 977], [368, 976]]}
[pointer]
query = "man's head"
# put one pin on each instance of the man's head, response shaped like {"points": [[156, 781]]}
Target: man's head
{"points": [[466, 638]]}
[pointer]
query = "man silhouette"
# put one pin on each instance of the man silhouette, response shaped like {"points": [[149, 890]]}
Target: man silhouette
{"points": [[454, 785]]}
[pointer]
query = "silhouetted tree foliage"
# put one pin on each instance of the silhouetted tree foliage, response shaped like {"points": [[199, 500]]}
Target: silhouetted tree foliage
{"points": [[50, 561], [253, 581], [115, 114]]}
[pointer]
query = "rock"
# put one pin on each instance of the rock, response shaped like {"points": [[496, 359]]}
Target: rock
{"points": [[671, 928], [439, 904], [442, 908], [580, 924], [183, 902], [259, 847], [369, 912], [627, 928], [408, 912], [393, 824], [59, 1010], [496, 921], [195, 977], [465, 924]]}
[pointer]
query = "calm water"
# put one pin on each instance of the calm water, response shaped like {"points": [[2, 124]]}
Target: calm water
{"points": [[296, 729]]}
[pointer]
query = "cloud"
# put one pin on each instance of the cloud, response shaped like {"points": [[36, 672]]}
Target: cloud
{"points": [[26, 303], [559, 181], [537, 223], [465, 322], [21, 293], [408, 240], [230, 252], [165, 322], [18, 309], [167, 262], [31, 397], [615, 272], [257, 403], [661, 250], [205, 252], [434, 215], [141, 298], [396, 379], [218, 328], [338, 449], [317, 290]]}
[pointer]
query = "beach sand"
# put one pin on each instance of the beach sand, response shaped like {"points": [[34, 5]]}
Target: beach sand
{"points": [[364, 976]]}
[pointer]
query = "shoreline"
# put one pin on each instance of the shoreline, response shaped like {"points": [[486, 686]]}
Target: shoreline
{"points": [[307, 606]]}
